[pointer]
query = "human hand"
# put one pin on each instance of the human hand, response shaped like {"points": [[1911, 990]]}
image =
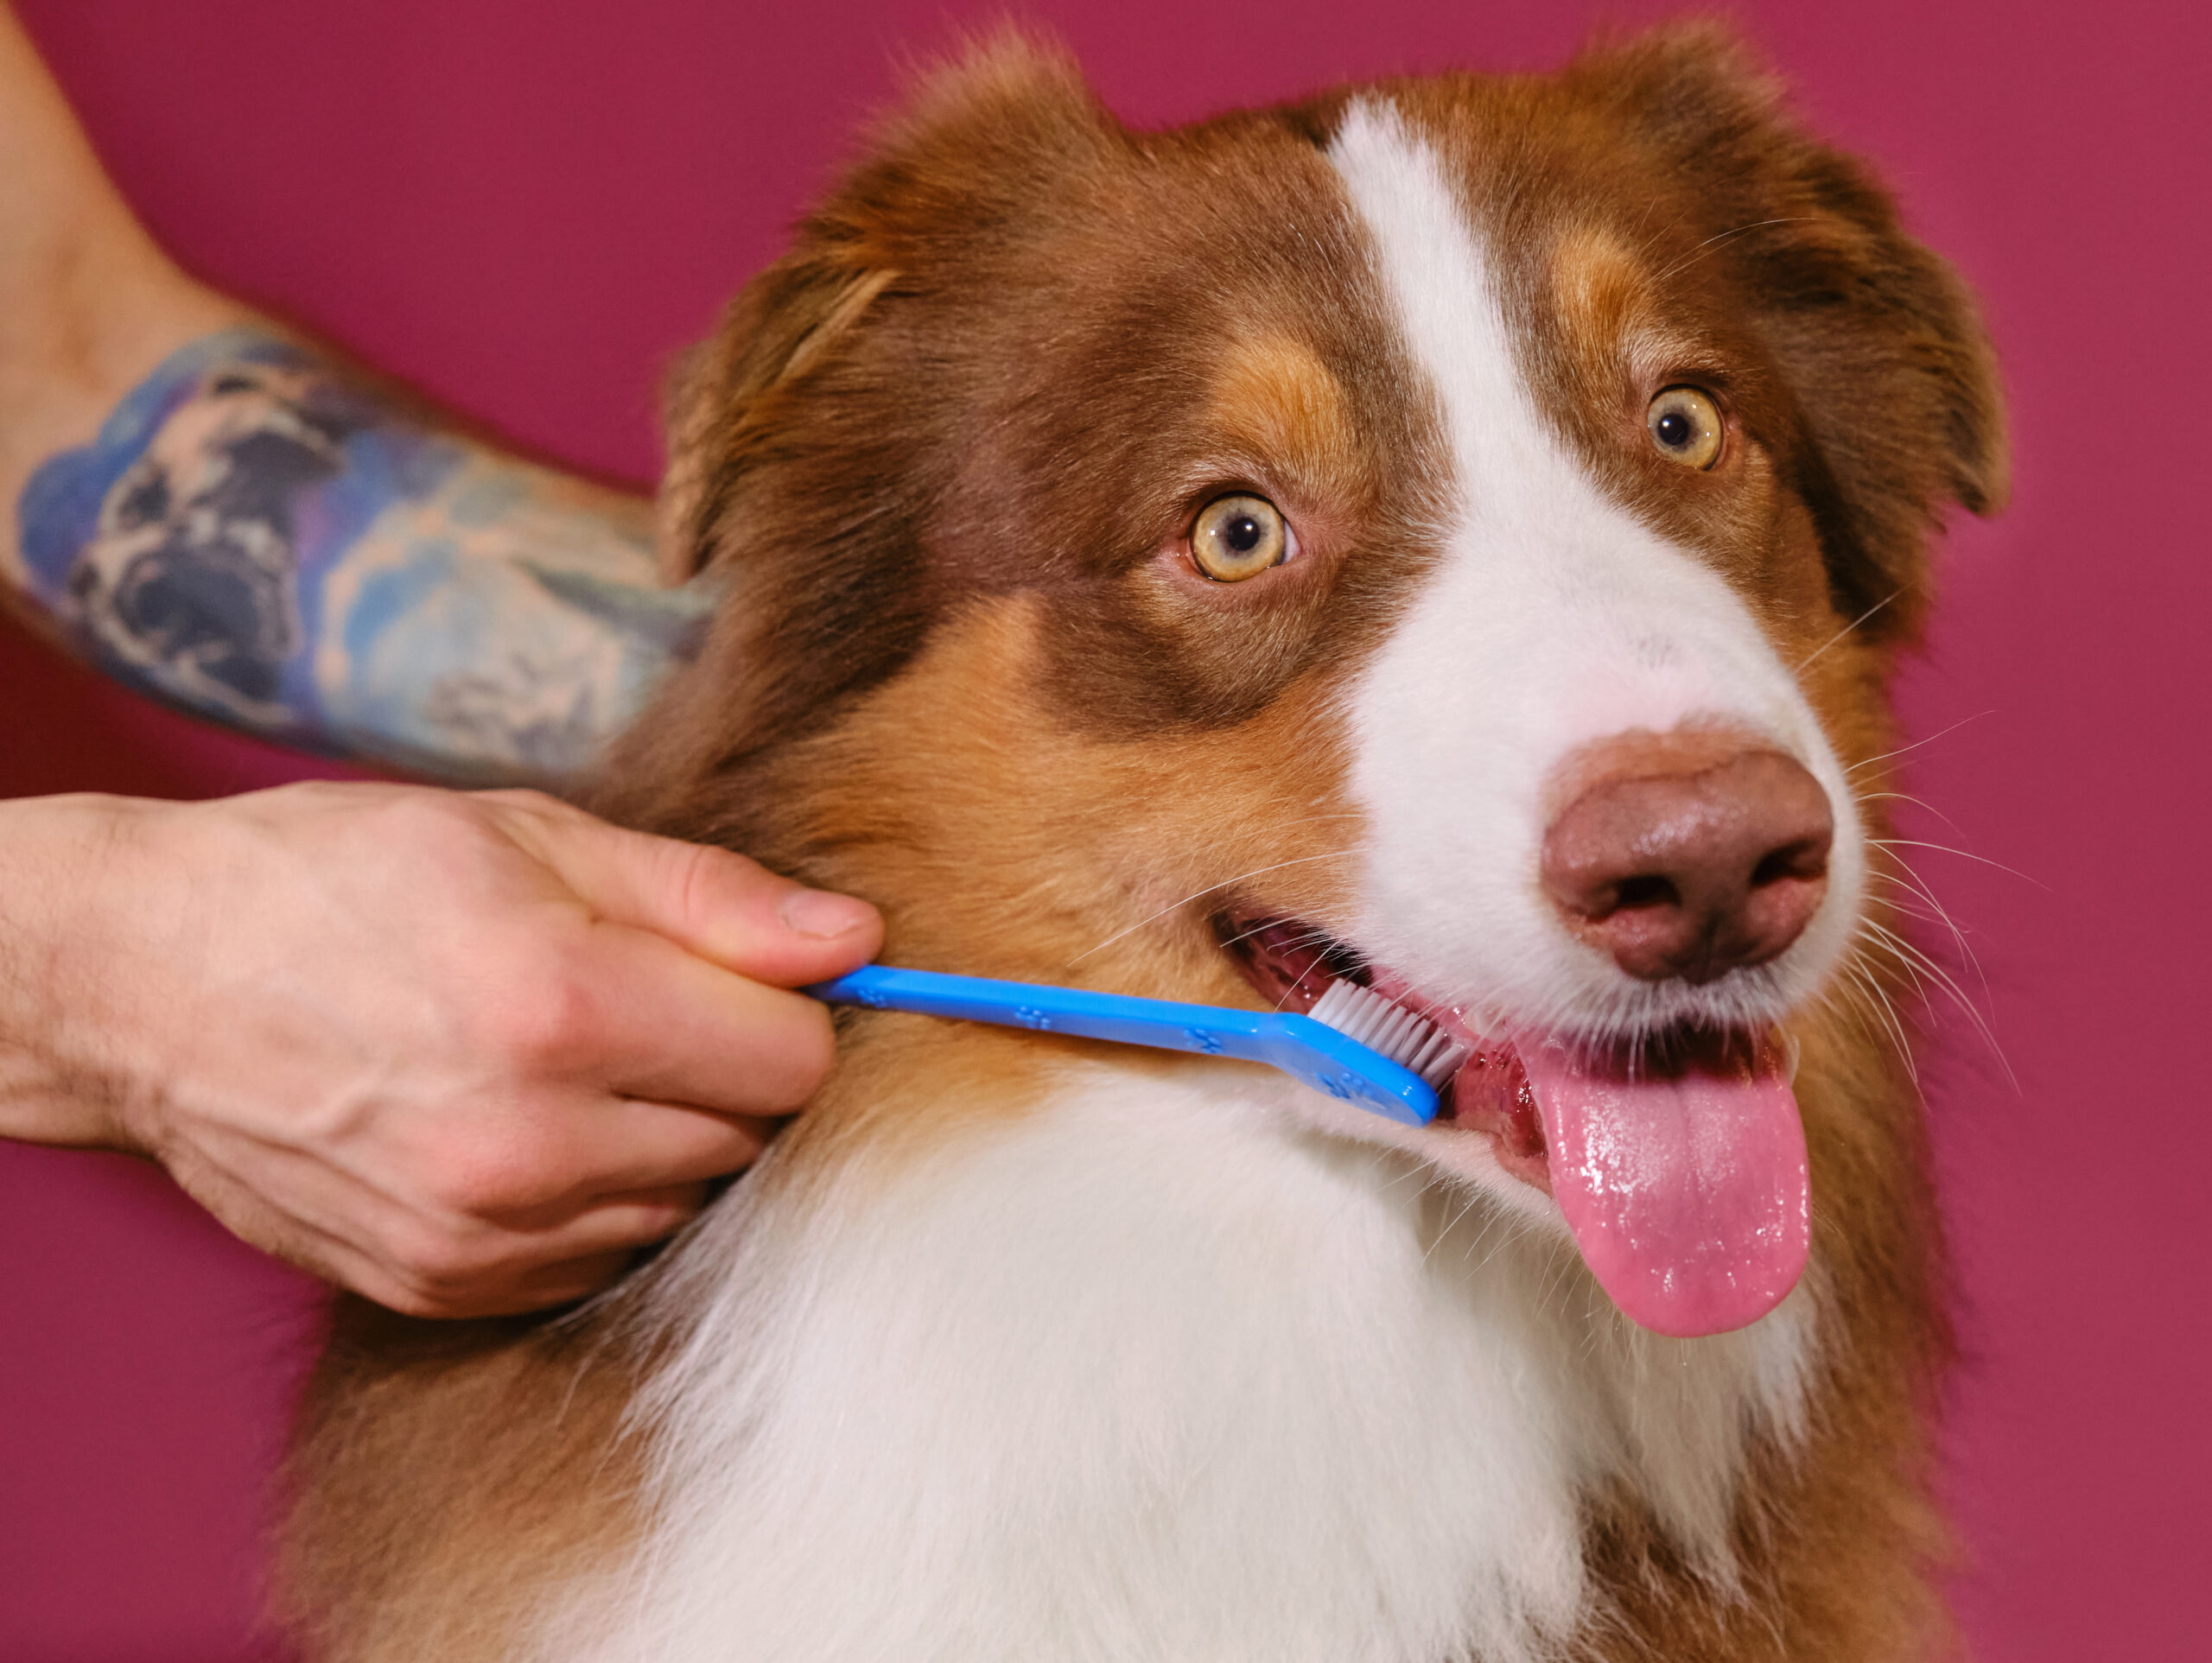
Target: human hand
{"points": [[464, 1054]]}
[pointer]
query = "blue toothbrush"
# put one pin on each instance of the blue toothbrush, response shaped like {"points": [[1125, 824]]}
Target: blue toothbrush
{"points": [[1357, 1045]]}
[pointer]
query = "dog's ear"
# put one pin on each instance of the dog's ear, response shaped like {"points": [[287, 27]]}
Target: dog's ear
{"points": [[1893, 376], [721, 399], [978, 138]]}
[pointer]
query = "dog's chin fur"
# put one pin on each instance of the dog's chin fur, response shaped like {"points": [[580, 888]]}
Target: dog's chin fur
{"points": [[1019, 1347], [1156, 1371]]}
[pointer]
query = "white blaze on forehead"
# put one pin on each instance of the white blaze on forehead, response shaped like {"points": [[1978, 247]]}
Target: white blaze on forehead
{"points": [[1554, 619]]}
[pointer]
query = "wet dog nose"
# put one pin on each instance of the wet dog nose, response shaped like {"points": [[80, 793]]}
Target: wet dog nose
{"points": [[1689, 859]]}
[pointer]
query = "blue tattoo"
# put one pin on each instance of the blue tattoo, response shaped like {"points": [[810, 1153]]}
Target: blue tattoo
{"points": [[259, 541]]}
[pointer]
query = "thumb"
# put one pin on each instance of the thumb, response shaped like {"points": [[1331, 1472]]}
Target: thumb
{"points": [[710, 901]]}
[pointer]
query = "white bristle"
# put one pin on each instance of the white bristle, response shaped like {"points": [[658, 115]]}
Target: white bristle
{"points": [[1384, 1026]]}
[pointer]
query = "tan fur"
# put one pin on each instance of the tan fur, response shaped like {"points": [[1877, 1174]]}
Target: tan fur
{"points": [[443, 1474], [1273, 397], [956, 638]]}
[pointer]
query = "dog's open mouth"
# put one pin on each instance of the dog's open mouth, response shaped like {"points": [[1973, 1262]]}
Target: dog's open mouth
{"points": [[1678, 1163]]}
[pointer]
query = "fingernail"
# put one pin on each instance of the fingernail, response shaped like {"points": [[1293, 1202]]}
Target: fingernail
{"points": [[821, 915]]}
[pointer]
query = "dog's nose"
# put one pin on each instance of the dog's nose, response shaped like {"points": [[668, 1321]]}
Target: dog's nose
{"points": [[1689, 861]]}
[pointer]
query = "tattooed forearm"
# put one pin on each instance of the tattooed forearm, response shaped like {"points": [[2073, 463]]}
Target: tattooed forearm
{"points": [[258, 538]]}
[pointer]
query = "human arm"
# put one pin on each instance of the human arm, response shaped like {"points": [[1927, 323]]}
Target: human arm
{"points": [[462, 1052], [221, 514]]}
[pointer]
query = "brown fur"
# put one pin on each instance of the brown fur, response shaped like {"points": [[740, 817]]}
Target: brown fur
{"points": [[946, 446], [441, 1472]]}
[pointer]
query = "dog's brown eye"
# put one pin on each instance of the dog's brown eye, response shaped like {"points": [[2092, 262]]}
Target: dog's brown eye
{"points": [[1237, 537], [1685, 427]]}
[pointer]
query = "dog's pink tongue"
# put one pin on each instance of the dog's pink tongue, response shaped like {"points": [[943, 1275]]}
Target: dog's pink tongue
{"points": [[1687, 1194]]}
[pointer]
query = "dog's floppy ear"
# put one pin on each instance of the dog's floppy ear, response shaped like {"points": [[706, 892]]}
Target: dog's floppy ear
{"points": [[979, 136], [720, 395], [1884, 349]]}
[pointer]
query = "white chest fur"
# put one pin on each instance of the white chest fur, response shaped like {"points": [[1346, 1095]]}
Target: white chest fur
{"points": [[1153, 1374]]}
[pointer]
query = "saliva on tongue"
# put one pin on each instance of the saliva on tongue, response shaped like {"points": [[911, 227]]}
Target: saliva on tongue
{"points": [[1684, 1183]]}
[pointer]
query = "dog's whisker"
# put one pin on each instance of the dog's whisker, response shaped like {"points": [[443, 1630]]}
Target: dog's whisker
{"points": [[1891, 1017], [1845, 630], [1311, 936], [1905, 967], [1903, 749], [1908, 903], [1211, 888], [1914, 960], [1706, 247], [1909, 956], [1444, 1234], [1920, 802], [1880, 1009], [1308, 819], [1963, 855], [1924, 915], [1515, 1229], [1911, 882]]}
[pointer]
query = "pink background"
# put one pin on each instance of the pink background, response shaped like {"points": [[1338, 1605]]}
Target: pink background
{"points": [[525, 207]]}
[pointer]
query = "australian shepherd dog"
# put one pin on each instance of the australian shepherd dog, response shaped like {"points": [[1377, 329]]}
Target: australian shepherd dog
{"points": [[1452, 534]]}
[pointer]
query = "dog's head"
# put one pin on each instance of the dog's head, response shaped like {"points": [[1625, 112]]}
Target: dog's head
{"points": [[1452, 533]]}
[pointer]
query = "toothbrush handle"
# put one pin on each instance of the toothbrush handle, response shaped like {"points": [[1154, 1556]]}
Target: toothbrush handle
{"points": [[1314, 1051]]}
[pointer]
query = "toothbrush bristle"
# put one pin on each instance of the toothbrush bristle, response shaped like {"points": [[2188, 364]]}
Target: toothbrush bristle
{"points": [[1384, 1026]]}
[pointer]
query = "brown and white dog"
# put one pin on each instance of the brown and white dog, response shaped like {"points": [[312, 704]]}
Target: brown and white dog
{"points": [[1454, 533]]}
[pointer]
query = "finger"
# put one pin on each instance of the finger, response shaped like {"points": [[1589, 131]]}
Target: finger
{"points": [[531, 1269], [266, 1222], [523, 1166], [474, 1268], [717, 904], [519, 1242], [339, 1251], [525, 1159], [405, 1252], [675, 1028], [537, 1289], [625, 1144]]}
